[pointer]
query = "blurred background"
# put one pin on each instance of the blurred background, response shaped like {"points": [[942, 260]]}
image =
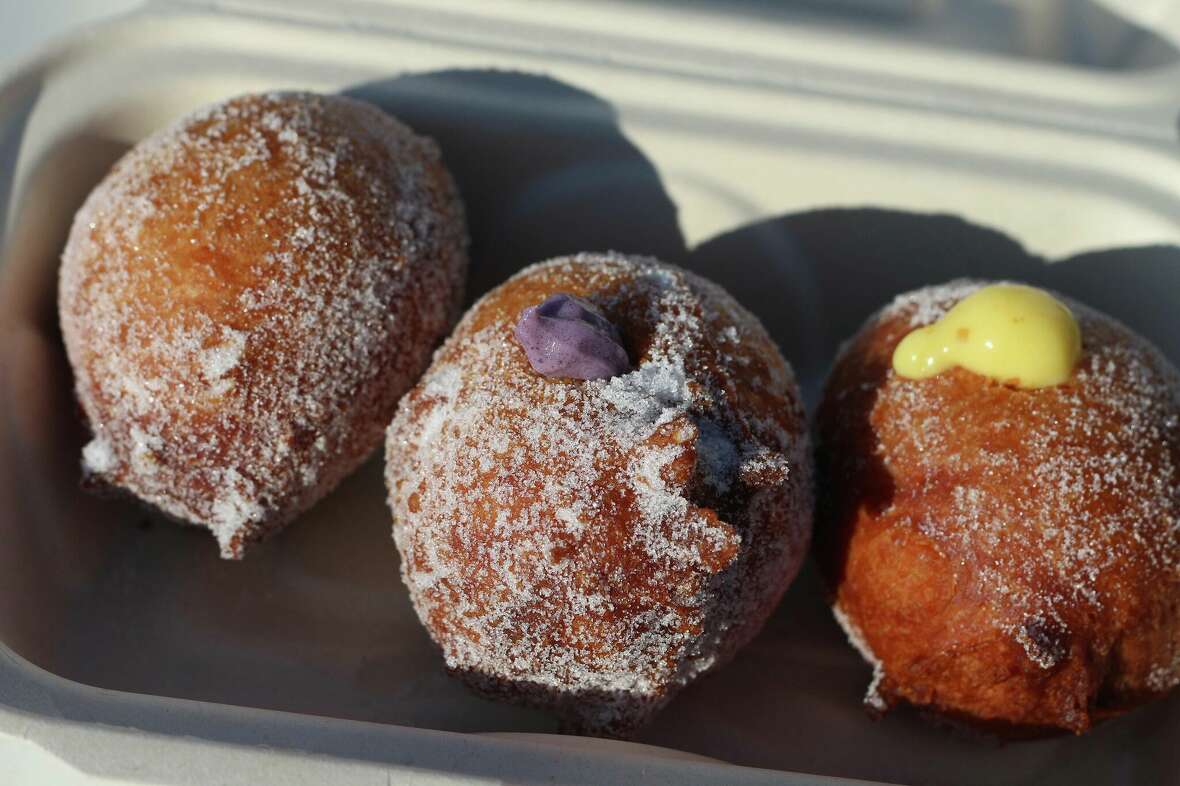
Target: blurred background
{"points": [[1103, 34]]}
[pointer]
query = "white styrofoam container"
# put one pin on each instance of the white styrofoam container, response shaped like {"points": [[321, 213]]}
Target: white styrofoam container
{"points": [[813, 174]]}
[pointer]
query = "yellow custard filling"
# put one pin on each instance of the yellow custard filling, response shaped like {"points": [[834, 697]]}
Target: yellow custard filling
{"points": [[1015, 334]]}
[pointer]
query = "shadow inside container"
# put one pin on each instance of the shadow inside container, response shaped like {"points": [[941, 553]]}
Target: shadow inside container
{"points": [[814, 277], [55, 536], [542, 166]]}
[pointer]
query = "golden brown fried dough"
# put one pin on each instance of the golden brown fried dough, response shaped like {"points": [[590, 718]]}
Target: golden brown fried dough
{"points": [[245, 297], [593, 546], [1006, 558]]}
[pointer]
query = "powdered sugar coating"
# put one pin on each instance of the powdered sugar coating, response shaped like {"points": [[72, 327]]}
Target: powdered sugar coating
{"points": [[245, 297], [1056, 511], [856, 638], [594, 546], [1130, 378]]}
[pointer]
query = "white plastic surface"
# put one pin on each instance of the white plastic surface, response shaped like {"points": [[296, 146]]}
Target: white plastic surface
{"points": [[26, 27], [802, 172]]}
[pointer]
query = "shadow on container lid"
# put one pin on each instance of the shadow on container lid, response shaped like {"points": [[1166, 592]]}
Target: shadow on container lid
{"points": [[543, 168]]}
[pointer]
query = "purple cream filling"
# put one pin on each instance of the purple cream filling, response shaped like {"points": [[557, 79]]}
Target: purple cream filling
{"points": [[567, 337]]}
